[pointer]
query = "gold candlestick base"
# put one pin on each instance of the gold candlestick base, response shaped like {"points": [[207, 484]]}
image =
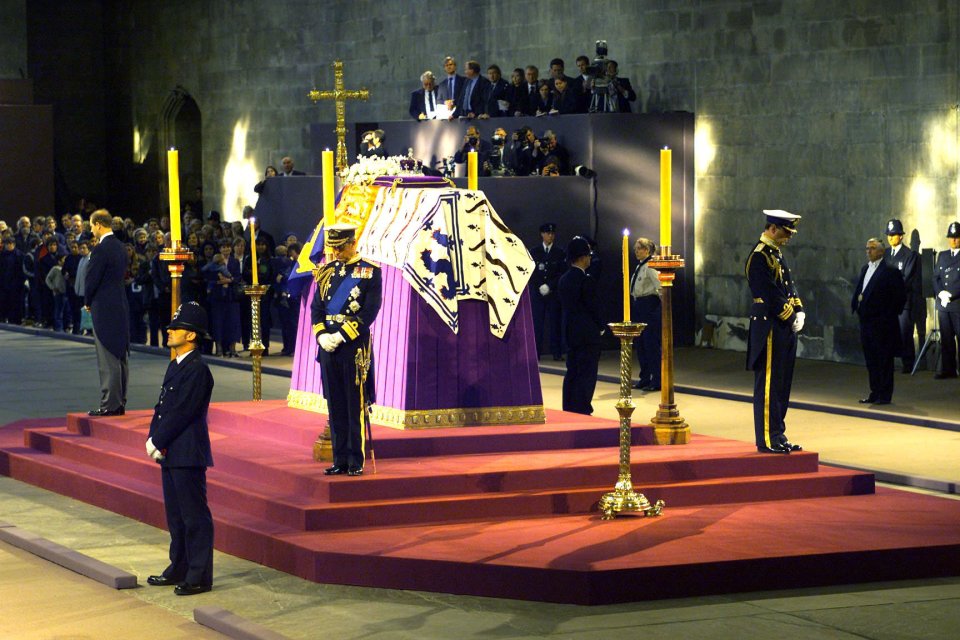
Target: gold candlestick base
{"points": [[176, 258], [256, 292], [623, 499], [323, 445]]}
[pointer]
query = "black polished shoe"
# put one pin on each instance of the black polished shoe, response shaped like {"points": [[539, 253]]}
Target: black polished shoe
{"points": [[650, 387], [879, 402], [335, 470], [184, 589], [355, 471], [943, 376], [867, 400], [160, 581], [791, 446], [99, 413], [558, 358], [777, 448]]}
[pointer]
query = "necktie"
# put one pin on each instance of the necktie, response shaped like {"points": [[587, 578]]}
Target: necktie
{"points": [[430, 101], [450, 93]]}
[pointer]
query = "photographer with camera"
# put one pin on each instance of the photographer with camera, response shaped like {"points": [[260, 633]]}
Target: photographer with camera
{"points": [[547, 151], [496, 164], [372, 145], [609, 92], [519, 155], [473, 142]]}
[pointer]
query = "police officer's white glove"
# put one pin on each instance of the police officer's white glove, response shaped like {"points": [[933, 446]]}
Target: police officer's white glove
{"points": [[544, 290], [798, 321], [945, 297], [151, 449]]}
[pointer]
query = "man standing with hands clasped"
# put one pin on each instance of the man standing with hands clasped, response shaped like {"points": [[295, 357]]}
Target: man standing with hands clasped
{"points": [[776, 317], [877, 300], [180, 442], [946, 286]]}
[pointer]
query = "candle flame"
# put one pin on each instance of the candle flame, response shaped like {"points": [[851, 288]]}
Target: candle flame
{"points": [[626, 232]]}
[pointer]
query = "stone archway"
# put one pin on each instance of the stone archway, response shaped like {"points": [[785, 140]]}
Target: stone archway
{"points": [[181, 127]]}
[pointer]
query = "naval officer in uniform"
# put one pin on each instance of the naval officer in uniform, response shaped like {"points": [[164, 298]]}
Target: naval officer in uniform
{"points": [[776, 317], [345, 305], [946, 286]]}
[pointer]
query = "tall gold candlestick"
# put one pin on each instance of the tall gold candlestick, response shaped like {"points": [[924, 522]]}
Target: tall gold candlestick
{"points": [[253, 251], [256, 346], [626, 275], [173, 182], [668, 426], [472, 182]]}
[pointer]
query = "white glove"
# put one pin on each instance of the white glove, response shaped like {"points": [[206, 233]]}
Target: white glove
{"points": [[151, 449], [944, 298], [325, 342], [544, 290], [158, 456], [337, 339], [798, 321]]}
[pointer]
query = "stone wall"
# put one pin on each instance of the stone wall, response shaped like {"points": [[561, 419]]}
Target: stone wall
{"points": [[842, 110]]}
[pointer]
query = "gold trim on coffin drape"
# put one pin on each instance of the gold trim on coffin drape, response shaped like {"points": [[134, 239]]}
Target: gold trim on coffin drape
{"points": [[430, 418]]}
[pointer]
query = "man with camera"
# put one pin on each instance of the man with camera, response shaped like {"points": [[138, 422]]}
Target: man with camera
{"points": [[520, 153], [547, 151], [373, 144], [496, 165], [473, 142]]}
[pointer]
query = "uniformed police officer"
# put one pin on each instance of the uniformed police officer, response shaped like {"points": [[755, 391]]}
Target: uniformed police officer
{"points": [[179, 441], [914, 314], [583, 326], [551, 263], [776, 317], [345, 305], [946, 286]]}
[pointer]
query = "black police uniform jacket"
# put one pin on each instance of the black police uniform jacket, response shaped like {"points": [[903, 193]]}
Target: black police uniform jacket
{"points": [[106, 296], [907, 263], [347, 302], [549, 267], [946, 277], [581, 314], [179, 425], [775, 298]]}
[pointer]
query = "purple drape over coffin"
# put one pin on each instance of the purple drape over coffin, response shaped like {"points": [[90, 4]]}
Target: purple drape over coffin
{"points": [[422, 366]]}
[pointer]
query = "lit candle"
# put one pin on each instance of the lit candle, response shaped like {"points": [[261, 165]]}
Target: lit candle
{"points": [[173, 174], [665, 192], [253, 252], [329, 214], [472, 170], [626, 275]]}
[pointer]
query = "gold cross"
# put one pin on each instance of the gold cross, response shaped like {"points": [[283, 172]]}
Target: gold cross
{"points": [[340, 96]]}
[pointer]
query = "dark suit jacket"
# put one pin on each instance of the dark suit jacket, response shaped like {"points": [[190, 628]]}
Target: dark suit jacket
{"points": [[623, 102], [582, 94], [906, 261], [105, 295], [483, 154], [459, 85], [417, 104], [581, 315], [179, 425], [500, 90], [526, 102], [880, 304], [293, 173], [946, 277], [478, 99]]}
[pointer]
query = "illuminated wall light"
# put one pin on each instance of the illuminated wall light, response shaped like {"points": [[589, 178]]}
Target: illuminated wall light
{"points": [[239, 175], [920, 208], [141, 145], [704, 153], [941, 139]]}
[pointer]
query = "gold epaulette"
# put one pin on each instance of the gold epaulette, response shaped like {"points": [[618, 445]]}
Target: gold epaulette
{"points": [[322, 275], [759, 247]]}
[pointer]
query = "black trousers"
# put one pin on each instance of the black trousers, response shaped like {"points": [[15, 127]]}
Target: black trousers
{"points": [[344, 404], [773, 377], [580, 380], [546, 314], [879, 356], [949, 332], [190, 525], [647, 310], [908, 351]]}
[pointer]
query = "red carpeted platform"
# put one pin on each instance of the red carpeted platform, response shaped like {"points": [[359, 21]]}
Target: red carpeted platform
{"points": [[509, 511]]}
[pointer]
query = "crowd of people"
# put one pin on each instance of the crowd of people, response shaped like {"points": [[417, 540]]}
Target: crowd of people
{"points": [[43, 262]]}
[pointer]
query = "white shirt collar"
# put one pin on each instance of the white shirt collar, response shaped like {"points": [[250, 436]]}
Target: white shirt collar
{"points": [[108, 233], [182, 356]]}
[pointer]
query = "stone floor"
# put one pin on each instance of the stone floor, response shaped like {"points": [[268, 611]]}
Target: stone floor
{"points": [[44, 376]]}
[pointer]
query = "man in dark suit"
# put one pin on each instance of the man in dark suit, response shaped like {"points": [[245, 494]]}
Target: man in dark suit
{"points": [[288, 169], [499, 94], [106, 300], [551, 262], [620, 87], [475, 92], [452, 85], [528, 93], [582, 84], [584, 329], [423, 101], [946, 286], [776, 317], [347, 301], [914, 314], [178, 439], [473, 142], [877, 300]]}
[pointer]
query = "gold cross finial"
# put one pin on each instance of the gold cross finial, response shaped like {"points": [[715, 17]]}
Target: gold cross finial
{"points": [[340, 96]]}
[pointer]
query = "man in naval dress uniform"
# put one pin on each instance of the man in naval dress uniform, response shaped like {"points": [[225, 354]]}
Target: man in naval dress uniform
{"points": [[946, 286], [346, 303], [776, 317]]}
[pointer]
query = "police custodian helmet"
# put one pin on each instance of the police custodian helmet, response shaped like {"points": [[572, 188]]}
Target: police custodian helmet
{"points": [[192, 317]]}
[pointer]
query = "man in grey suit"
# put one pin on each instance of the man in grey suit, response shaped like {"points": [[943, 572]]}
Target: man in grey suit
{"points": [[105, 298]]}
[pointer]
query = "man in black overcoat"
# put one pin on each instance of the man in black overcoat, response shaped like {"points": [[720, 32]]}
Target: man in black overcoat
{"points": [[104, 296], [878, 300], [180, 442]]}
